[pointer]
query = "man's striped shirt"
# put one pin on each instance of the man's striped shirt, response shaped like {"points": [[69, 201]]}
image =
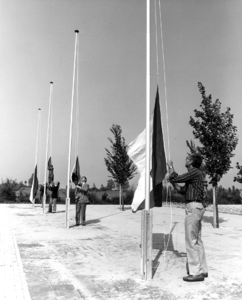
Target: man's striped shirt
{"points": [[194, 184]]}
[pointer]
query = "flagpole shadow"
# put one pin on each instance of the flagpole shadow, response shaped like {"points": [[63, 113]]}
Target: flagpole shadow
{"points": [[163, 242]]}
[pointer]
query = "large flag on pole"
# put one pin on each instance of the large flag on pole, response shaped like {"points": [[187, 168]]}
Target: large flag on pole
{"points": [[75, 176], [137, 152], [34, 187], [51, 171]]}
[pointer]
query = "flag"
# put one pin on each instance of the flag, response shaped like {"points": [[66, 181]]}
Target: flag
{"points": [[158, 171], [137, 153], [75, 176], [51, 171], [34, 187]]}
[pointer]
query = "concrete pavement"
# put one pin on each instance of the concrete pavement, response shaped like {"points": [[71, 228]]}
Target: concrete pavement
{"points": [[102, 259]]}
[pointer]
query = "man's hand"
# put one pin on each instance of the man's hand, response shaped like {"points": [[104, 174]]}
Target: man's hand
{"points": [[169, 163]]}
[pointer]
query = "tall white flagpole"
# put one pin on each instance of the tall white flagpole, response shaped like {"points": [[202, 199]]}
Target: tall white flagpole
{"points": [[146, 221], [70, 138], [47, 146], [147, 160]]}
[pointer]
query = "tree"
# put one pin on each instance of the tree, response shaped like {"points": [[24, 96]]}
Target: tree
{"points": [[118, 163], [102, 188], [94, 188], [239, 174], [110, 184], [7, 190], [218, 137]]}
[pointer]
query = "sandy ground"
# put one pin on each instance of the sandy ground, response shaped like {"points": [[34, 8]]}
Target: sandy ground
{"points": [[102, 259]]}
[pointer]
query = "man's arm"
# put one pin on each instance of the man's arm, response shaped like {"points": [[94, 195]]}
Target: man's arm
{"points": [[83, 188], [172, 174]]}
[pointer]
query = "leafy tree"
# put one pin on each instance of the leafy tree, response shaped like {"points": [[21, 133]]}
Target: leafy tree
{"points": [[118, 163], [7, 190], [102, 188], [110, 184], [218, 137], [239, 174]]}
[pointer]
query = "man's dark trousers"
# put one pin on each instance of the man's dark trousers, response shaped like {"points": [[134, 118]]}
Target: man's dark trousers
{"points": [[80, 213]]}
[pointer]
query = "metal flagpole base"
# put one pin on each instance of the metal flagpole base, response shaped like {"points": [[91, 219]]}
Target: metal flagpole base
{"points": [[146, 244], [67, 212]]}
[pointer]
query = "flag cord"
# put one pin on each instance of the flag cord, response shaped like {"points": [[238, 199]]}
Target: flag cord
{"points": [[164, 73], [168, 195]]}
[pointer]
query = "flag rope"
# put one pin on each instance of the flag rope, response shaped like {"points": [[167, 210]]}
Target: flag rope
{"points": [[164, 72], [168, 194]]}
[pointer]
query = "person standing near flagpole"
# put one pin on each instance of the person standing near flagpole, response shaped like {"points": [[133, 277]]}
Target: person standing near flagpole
{"points": [[81, 200], [193, 190], [54, 188]]}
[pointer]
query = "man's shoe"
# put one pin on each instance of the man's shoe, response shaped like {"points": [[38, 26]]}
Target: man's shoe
{"points": [[83, 224], [193, 278], [205, 275], [77, 224]]}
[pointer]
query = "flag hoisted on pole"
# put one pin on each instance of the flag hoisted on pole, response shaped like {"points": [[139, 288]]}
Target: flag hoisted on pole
{"points": [[136, 151], [76, 175], [51, 171], [70, 138], [35, 183], [34, 187], [47, 146]]}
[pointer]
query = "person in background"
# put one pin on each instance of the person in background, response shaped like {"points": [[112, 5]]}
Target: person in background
{"points": [[81, 201], [193, 190], [54, 188], [41, 194]]}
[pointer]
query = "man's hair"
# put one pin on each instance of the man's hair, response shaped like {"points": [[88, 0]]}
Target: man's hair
{"points": [[197, 160], [84, 177]]}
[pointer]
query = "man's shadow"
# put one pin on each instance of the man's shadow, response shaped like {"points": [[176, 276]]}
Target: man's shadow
{"points": [[163, 242], [94, 221], [209, 219]]}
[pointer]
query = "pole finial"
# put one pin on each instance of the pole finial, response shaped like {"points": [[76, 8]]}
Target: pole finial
{"points": [[76, 31], [39, 108], [51, 82]]}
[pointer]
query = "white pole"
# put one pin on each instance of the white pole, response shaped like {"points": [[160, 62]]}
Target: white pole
{"points": [[69, 156], [47, 146], [37, 141], [146, 223], [147, 162]]}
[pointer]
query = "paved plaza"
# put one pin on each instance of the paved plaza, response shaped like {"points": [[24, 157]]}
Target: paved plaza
{"points": [[42, 260]]}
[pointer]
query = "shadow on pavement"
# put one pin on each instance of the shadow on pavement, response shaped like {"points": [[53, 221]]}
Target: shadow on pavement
{"points": [[209, 219], [164, 242]]}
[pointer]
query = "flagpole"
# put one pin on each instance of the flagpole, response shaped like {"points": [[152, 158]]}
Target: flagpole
{"points": [[47, 146], [146, 222], [37, 146], [147, 163], [70, 138]]}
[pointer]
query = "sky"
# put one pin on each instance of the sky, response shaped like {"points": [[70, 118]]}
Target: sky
{"points": [[202, 43]]}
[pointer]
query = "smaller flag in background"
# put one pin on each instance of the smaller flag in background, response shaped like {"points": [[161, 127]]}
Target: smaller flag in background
{"points": [[51, 171], [34, 187], [137, 152], [75, 176]]}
